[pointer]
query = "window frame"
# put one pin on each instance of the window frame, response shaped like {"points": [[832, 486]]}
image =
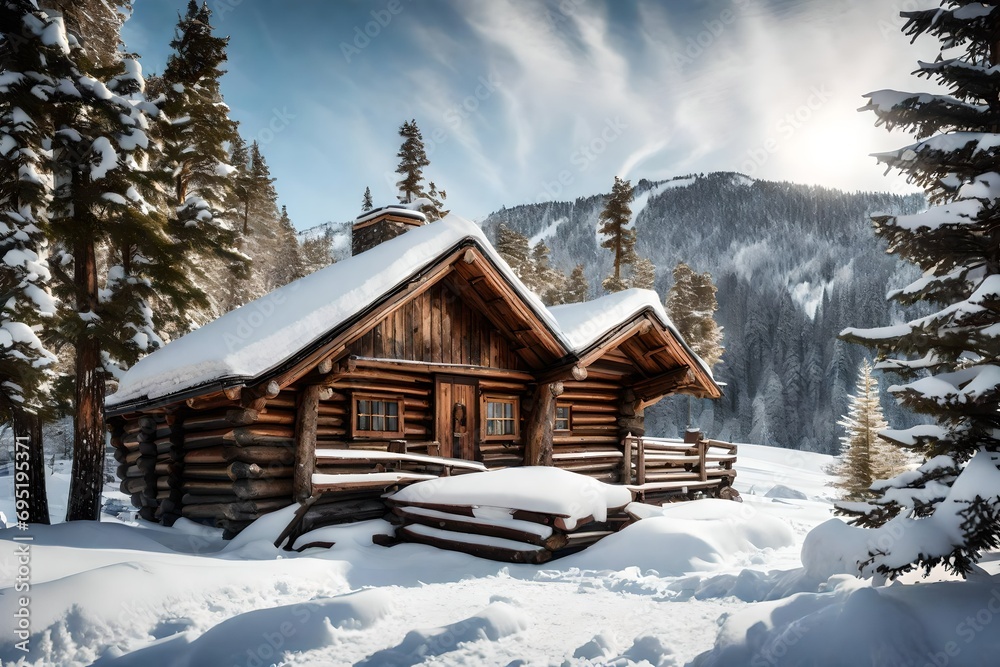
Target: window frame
{"points": [[503, 399], [568, 419], [357, 432]]}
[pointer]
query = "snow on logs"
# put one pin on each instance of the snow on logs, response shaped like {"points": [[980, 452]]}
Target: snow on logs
{"points": [[517, 515]]}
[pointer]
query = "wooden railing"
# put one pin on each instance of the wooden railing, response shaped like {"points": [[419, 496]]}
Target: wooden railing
{"points": [[661, 466]]}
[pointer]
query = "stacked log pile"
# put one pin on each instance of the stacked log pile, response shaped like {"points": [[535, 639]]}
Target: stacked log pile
{"points": [[502, 534], [350, 484]]}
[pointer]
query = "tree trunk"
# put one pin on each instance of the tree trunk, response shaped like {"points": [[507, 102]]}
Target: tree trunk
{"points": [[87, 477], [28, 429]]}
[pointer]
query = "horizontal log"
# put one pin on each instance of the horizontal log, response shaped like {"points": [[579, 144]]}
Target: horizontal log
{"points": [[587, 439], [475, 526], [262, 435], [590, 408], [131, 485], [208, 498], [235, 470], [242, 510], [210, 401], [342, 512], [381, 388], [283, 401], [538, 556], [585, 419], [244, 488]]}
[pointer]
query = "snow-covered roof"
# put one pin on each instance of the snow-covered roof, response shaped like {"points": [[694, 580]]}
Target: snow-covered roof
{"points": [[263, 334], [584, 324]]}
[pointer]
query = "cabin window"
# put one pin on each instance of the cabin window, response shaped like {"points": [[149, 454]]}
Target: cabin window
{"points": [[378, 416], [502, 417], [564, 418]]}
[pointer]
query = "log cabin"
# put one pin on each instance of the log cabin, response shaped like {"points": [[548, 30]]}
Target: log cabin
{"points": [[421, 355]]}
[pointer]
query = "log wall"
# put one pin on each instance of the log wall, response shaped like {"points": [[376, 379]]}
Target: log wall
{"points": [[592, 446]]}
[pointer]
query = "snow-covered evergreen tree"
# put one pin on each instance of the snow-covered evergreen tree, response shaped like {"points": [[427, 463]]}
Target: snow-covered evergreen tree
{"points": [[951, 357], [620, 237], [412, 160], [514, 249], [643, 274], [110, 249], [548, 282], [577, 289], [691, 305], [25, 301], [366, 202], [865, 456]]}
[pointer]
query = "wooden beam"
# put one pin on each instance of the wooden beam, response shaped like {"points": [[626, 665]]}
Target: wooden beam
{"points": [[305, 442], [568, 371], [450, 369], [538, 433], [661, 384]]}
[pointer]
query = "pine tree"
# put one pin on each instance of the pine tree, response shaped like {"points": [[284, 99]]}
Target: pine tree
{"points": [[96, 24], [513, 248], [643, 274], [316, 253], [102, 227], [193, 154], [691, 305], [288, 262], [577, 289], [412, 160], [620, 239], [548, 282], [366, 203], [25, 362], [949, 358], [861, 444]]}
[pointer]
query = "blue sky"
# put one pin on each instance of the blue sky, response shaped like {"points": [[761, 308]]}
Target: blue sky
{"points": [[522, 101]]}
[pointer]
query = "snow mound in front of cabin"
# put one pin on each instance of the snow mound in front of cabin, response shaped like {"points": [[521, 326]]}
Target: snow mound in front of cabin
{"points": [[943, 623], [533, 488], [493, 623], [687, 537], [263, 636]]}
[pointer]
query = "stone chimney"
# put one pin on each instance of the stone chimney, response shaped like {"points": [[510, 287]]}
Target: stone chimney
{"points": [[381, 224]]}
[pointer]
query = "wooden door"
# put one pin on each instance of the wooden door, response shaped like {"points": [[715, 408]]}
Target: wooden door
{"points": [[456, 418]]}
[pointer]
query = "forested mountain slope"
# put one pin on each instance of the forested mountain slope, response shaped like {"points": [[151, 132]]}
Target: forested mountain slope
{"points": [[794, 265]]}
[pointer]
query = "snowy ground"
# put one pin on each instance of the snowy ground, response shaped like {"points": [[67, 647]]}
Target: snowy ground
{"points": [[657, 593]]}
